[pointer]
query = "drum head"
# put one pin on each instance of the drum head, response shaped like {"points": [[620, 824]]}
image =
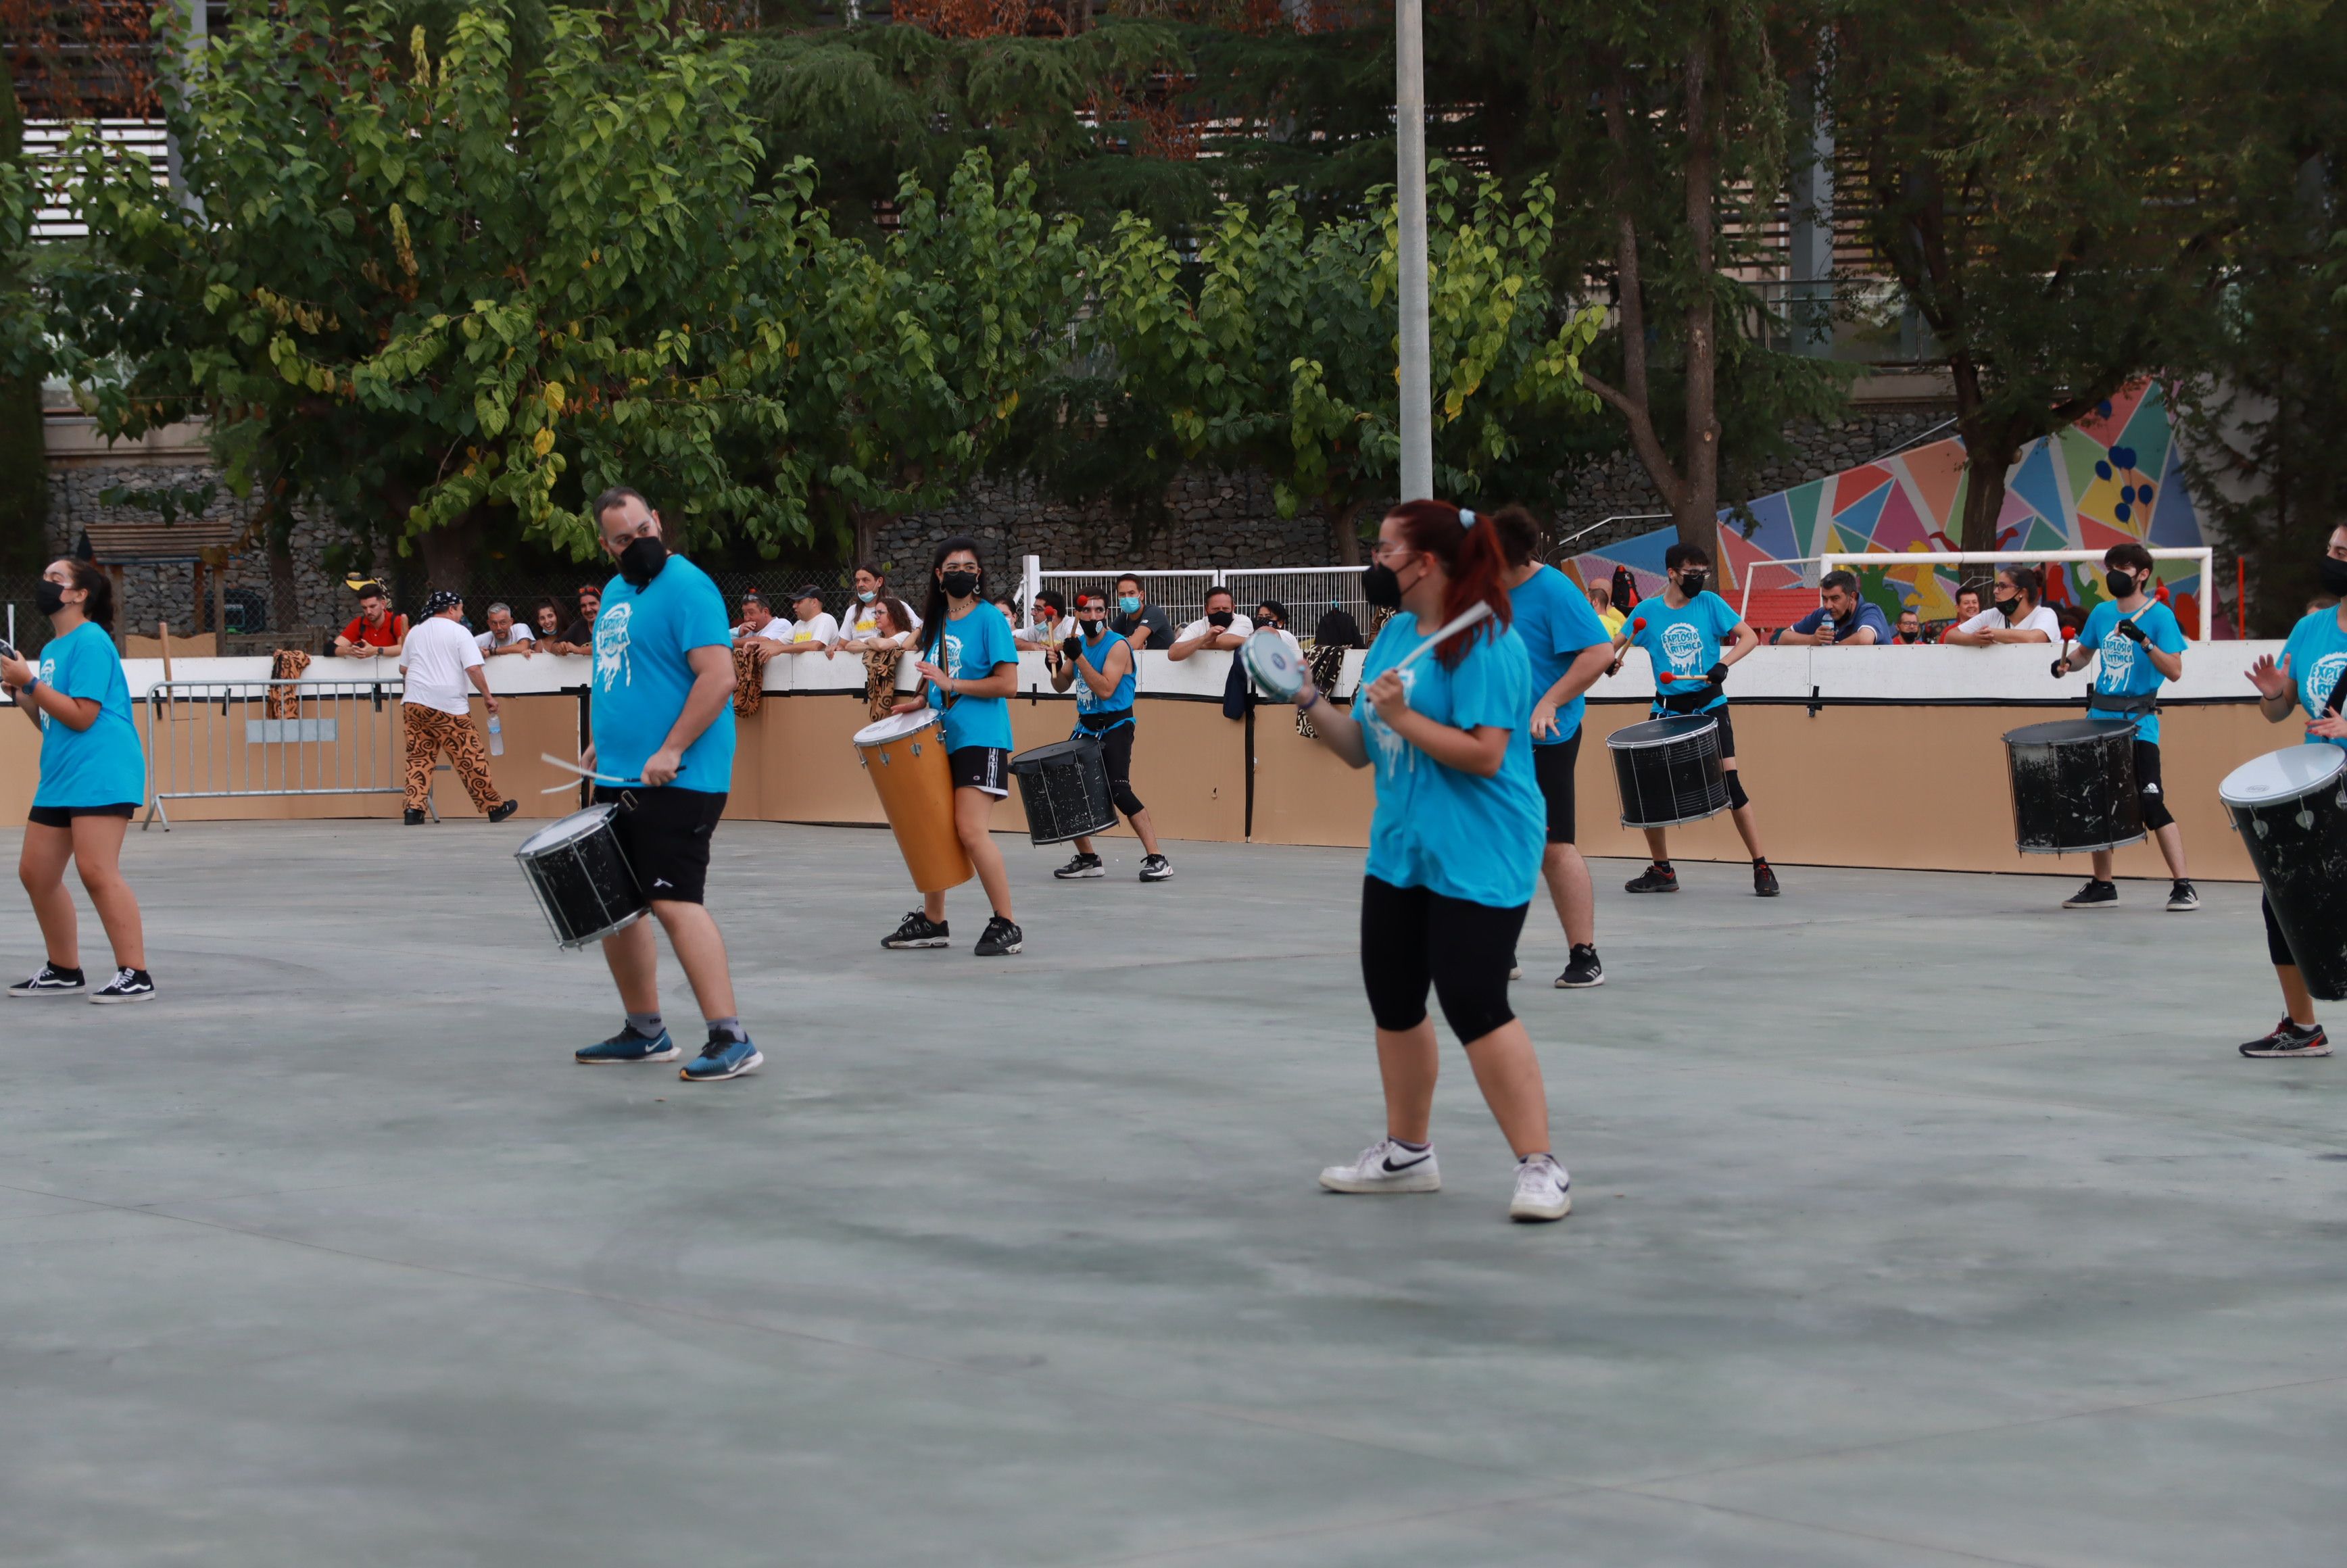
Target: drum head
{"points": [[2068, 732], [895, 727], [1058, 751], [1661, 732], [2286, 774], [1271, 665], [577, 825]]}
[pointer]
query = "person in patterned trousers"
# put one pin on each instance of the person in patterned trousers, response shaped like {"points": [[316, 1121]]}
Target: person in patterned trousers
{"points": [[437, 664]]}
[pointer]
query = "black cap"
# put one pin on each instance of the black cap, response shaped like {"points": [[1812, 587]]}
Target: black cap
{"points": [[807, 591]]}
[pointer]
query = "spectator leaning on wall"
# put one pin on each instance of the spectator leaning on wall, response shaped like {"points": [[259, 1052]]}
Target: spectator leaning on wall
{"points": [[1910, 626], [2017, 614], [1843, 618]]}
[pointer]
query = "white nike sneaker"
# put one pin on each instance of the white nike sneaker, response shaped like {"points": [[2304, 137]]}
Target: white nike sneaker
{"points": [[1385, 1166], [1544, 1191]]}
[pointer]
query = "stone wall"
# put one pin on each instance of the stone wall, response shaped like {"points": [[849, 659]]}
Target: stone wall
{"points": [[1214, 520]]}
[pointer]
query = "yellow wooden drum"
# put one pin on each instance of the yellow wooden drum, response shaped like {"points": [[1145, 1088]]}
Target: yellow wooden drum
{"points": [[905, 754]]}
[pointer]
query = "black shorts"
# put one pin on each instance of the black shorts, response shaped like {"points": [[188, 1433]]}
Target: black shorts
{"points": [[665, 832], [984, 768], [1412, 938], [1552, 766], [63, 816], [2149, 793]]}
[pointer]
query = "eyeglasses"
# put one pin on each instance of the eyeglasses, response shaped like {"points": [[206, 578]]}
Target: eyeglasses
{"points": [[1387, 549]]}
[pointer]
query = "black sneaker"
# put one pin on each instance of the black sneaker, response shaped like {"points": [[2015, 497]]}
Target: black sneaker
{"points": [[2288, 1040], [412, 816], [1082, 865], [52, 982], [126, 985], [499, 812], [1000, 938], [1764, 880], [917, 931], [1655, 878], [2093, 896], [1156, 869], [2182, 896], [1583, 971]]}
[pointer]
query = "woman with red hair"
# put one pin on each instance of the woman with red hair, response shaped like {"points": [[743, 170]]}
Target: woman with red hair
{"points": [[1454, 849]]}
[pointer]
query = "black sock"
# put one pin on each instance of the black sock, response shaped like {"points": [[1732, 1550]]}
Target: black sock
{"points": [[731, 1028]]}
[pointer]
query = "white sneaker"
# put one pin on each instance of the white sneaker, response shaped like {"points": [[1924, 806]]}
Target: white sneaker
{"points": [[1544, 1191], [1385, 1166]]}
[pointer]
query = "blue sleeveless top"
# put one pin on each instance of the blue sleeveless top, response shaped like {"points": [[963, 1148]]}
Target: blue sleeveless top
{"points": [[1091, 709]]}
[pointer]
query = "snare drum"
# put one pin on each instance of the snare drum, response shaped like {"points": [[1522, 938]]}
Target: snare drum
{"points": [[905, 756], [581, 878], [2290, 809], [1064, 787], [2074, 787], [1668, 771]]}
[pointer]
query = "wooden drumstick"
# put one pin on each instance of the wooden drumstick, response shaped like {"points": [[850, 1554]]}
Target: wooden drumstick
{"points": [[1460, 623]]}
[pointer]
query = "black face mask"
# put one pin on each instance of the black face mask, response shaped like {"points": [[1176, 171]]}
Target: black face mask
{"points": [[1380, 586], [641, 560], [1091, 628], [2121, 584], [2008, 607], [49, 597], [2334, 576], [1691, 583], [1218, 618], [1911, 637], [959, 584]]}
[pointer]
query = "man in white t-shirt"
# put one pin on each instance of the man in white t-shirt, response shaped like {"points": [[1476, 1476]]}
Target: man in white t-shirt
{"points": [[504, 634], [1221, 627], [440, 669], [2016, 613], [814, 631]]}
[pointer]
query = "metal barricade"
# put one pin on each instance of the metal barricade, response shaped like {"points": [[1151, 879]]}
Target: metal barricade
{"points": [[225, 739], [1181, 594], [1307, 592]]}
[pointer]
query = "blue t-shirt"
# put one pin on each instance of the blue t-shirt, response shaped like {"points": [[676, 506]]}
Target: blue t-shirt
{"points": [[1088, 703], [102, 765], [2317, 652], [1555, 622], [1868, 615], [1685, 642], [974, 645], [641, 674], [2120, 668], [1465, 837]]}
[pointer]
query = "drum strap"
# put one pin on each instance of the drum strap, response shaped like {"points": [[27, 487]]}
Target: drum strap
{"points": [[2122, 707], [1701, 697], [1101, 724]]}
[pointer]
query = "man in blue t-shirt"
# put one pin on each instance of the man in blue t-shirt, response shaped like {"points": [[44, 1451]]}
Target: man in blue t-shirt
{"points": [[2141, 646], [1842, 617], [1692, 636], [662, 711], [2305, 679], [1569, 648]]}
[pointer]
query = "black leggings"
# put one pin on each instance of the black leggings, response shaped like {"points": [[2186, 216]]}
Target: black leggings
{"points": [[1411, 938], [1116, 755]]}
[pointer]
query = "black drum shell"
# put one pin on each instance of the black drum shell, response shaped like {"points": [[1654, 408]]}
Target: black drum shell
{"points": [[1668, 771], [2303, 866], [2074, 787], [584, 884], [1064, 787]]}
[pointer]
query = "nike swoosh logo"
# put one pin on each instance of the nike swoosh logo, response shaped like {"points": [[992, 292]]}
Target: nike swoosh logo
{"points": [[1406, 1164]]}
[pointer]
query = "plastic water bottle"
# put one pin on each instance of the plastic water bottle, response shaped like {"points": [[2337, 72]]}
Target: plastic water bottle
{"points": [[496, 736]]}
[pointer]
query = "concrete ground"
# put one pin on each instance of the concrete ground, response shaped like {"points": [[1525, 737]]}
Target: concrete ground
{"points": [[1917, 1222]]}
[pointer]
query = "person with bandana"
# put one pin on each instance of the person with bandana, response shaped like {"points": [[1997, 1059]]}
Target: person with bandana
{"points": [[1454, 849], [1683, 631], [660, 705], [2141, 647], [969, 672], [2305, 679], [1099, 664]]}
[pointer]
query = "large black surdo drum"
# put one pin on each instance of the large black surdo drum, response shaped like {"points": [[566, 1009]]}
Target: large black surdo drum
{"points": [[1668, 771], [2074, 786], [2290, 809], [1064, 787], [581, 876]]}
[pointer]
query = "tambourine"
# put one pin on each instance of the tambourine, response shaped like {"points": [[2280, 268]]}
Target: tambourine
{"points": [[1276, 671]]}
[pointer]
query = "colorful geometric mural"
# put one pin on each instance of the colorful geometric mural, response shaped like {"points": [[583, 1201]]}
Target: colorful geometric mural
{"points": [[2111, 476]]}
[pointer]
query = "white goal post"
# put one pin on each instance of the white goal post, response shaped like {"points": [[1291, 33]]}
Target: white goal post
{"points": [[1894, 560]]}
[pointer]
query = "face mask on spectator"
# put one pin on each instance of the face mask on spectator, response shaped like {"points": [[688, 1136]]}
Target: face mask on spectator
{"points": [[1911, 637], [2009, 608], [866, 597], [1218, 618], [1129, 603]]}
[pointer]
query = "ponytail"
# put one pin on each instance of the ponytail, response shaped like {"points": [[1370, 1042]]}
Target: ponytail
{"points": [[1472, 557]]}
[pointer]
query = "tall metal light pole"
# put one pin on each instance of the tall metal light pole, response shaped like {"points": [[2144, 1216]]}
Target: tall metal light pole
{"points": [[1409, 139]]}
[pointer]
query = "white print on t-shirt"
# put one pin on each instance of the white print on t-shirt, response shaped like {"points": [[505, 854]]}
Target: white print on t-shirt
{"points": [[1390, 746], [2322, 679], [612, 661], [953, 653], [2118, 660], [1681, 644]]}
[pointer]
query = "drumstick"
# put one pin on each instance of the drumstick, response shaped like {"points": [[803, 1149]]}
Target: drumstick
{"points": [[1457, 623], [586, 773], [1621, 637]]}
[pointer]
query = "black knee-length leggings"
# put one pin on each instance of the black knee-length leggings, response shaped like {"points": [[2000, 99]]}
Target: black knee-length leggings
{"points": [[1412, 939]]}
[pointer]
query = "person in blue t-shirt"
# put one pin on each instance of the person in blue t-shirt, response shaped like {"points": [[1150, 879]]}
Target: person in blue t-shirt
{"points": [[1683, 629], [93, 779], [1454, 848], [969, 672], [1099, 663], [2306, 679], [1841, 617], [660, 708], [1570, 648], [2141, 646]]}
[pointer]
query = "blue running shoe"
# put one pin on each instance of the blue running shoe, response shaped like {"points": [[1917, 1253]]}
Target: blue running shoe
{"points": [[629, 1046], [721, 1059]]}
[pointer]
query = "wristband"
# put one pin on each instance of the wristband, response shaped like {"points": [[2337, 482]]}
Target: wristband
{"points": [[1307, 707]]}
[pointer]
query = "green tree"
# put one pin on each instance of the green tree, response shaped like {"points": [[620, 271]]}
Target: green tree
{"points": [[24, 357]]}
